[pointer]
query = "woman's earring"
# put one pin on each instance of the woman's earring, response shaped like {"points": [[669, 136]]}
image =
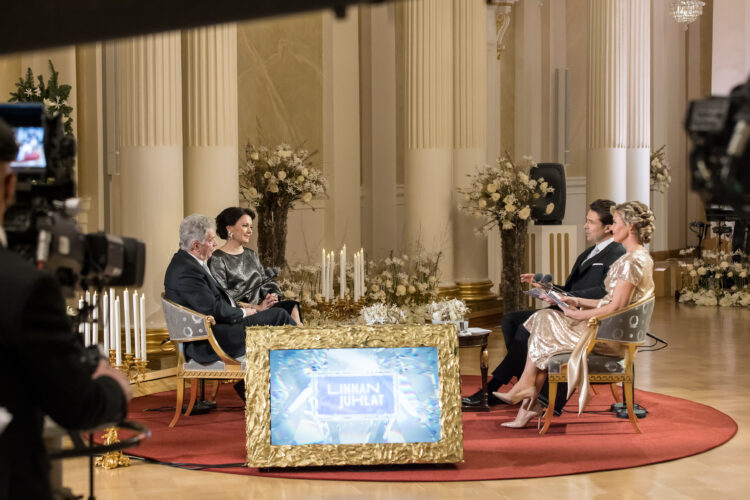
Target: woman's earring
{"points": [[230, 235]]}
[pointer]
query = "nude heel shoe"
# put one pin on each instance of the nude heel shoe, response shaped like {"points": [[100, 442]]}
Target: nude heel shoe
{"points": [[528, 410], [512, 399]]}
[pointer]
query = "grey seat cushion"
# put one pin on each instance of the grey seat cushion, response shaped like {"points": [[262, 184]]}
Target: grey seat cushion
{"points": [[597, 364], [213, 366]]}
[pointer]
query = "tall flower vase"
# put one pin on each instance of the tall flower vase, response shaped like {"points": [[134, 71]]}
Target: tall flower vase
{"points": [[513, 243], [272, 219]]}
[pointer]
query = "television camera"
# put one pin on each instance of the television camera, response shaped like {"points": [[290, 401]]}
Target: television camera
{"points": [[40, 223]]}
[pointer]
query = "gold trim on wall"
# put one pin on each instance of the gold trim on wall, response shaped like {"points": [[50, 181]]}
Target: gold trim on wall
{"points": [[261, 340]]}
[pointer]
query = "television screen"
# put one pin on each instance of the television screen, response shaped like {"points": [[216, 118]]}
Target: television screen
{"points": [[30, 148], [354, 396]]}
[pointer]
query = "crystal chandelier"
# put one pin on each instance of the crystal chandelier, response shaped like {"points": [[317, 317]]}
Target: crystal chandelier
{"points": [[686, 11]]}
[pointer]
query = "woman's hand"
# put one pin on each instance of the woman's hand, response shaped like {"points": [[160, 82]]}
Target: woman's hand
{"points": [[574, 313], [570, 300], [268, 301]]}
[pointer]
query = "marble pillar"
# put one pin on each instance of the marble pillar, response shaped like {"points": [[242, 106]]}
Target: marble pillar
{"points": [[209, 67], [149, 133], [341, 136], [428, 155], [469, 144], [638, 152], [607, 112]]}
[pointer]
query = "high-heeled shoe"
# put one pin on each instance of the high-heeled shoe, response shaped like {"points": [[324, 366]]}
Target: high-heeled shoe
{"points": [[515, 398], [528, 410]]}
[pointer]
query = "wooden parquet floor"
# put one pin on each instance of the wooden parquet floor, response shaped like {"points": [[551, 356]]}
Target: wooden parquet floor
{"points": [[706, 361]]}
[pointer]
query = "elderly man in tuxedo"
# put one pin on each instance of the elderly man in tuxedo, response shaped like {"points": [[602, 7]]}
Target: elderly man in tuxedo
{"points": [[585, 280], [188, 282]]}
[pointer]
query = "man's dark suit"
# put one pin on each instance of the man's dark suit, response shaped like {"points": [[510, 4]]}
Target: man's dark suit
{"points": [[42, 373], [585, 280], [189, 284]]}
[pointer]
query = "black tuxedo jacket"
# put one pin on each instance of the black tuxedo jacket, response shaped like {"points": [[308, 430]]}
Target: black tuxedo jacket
{"points": [[187, 283], [587, 278], [42, 373]]}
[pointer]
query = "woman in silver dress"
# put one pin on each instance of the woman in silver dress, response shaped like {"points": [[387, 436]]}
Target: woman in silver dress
{"points": [[239, 270], [630, 279]]}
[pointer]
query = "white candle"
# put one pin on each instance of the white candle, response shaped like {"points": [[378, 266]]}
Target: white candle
{"points": [[118, 333], [126, 307], [322, 271], [81, 319], [342, 272], [95, 320], [143, 327], [136, 337], [362, 288], [105, 325], [111, 332], [87, 325], [330, 275]]}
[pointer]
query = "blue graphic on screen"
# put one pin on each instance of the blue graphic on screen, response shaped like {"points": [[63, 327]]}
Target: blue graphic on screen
{"points": [[355, 396]]}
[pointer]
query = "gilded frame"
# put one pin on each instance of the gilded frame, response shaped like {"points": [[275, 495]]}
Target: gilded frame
{"points": [[261, 340]]}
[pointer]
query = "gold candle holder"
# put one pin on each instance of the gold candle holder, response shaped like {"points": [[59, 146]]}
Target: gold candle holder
{"points": [[140, 370], [130, 364], [113, 459], [112, 357]]}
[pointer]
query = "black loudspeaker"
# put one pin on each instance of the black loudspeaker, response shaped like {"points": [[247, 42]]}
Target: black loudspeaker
{"points": [[554, 175]]}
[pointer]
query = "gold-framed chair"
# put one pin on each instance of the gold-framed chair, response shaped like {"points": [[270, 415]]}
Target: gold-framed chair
{"points": [[627, 327], [185, 325]]}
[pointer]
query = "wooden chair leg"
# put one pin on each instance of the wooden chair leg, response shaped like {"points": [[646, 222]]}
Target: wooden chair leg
{"points": [[211, 393], [615, 393], [551, 397], [178, 403], [194, 383], [593, 390], [629, 403]]}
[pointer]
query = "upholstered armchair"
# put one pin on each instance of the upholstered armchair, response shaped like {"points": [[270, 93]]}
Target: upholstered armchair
{"points": [[185, 325], [627, 327]]}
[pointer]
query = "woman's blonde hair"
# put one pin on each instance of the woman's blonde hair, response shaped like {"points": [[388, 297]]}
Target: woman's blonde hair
{"points": [[639, 216]]}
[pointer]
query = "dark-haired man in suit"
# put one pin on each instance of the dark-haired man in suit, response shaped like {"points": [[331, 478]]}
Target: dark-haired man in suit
{"points": [[585, 280]]}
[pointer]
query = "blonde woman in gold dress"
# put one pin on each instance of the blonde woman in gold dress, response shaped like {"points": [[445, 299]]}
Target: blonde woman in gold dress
{"points": [[630, 279]]}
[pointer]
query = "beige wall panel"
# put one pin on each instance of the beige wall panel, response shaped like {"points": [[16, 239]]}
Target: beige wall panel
{"points": [[577, 61]]}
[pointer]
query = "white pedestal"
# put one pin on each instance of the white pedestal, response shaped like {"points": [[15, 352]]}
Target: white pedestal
{"points": [[551, 250]]}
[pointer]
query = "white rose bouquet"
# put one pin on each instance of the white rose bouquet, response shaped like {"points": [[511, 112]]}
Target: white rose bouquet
{"points": [[660, 176], [504, 194]]}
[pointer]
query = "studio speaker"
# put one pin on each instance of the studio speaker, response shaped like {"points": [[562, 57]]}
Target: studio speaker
{"points": [[554, 175]]}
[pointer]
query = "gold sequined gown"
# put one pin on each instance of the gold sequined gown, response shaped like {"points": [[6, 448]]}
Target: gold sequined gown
{"points": [[553, 333]]}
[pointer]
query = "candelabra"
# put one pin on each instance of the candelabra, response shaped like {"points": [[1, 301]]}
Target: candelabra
{"points": [[341, 309]]}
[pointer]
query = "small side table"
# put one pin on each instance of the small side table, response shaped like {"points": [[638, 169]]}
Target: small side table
{"points": [[478, 338]]}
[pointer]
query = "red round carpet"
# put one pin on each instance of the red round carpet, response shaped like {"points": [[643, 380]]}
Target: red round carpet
{"points": [[674, 428]]}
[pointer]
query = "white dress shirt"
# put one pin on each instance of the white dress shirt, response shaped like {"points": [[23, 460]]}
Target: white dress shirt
{"points": [[598, 248]]}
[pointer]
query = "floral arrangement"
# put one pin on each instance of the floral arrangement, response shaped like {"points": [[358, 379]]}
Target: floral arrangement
{"points": [[505, 193], [660, 176], [382, 314], [715, 279], [51, 93], [279, 175], [403, 281], [448, 310]]}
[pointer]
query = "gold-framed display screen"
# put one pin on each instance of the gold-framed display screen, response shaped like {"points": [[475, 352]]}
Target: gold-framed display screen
{"points": [[353, 395]]}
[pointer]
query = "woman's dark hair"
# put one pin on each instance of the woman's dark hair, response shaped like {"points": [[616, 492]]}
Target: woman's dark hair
{"points": [[603, 209], [229, 217], [8, 146]]}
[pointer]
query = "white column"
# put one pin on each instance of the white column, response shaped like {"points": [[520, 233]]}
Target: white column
{"points": [[469, 141], [341, 138], [378, 70], [429, 128], [607, 112], [639, 100], [528, 81], [209, 58], [149, 129]]}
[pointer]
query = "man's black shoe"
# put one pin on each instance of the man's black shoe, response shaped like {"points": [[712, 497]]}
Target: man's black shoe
{"points": [[199, 408], [239, 387], [475, 400], [209, 404]]}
